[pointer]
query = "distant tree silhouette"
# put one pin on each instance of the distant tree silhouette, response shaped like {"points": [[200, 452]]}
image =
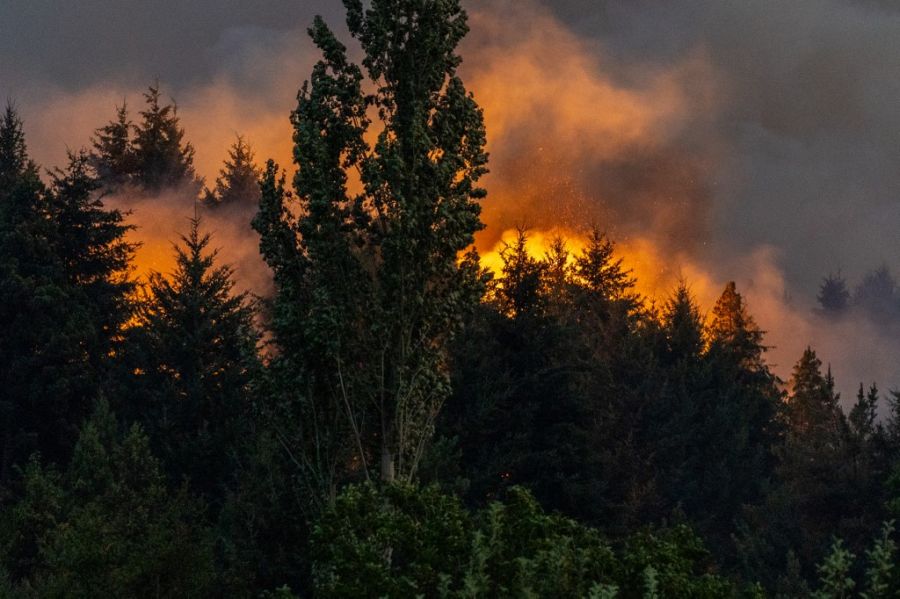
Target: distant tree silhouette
{"points": [[238, 181], [113, 155], [162, 159], [834, 297]]}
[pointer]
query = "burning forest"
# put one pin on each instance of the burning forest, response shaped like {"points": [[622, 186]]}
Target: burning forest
{"points": [[443, 298]]}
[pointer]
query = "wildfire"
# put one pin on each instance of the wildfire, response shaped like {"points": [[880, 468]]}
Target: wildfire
{"points": [[657, 274]]}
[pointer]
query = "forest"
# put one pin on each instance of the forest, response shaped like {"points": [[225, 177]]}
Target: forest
{"points": [[392, 418]]}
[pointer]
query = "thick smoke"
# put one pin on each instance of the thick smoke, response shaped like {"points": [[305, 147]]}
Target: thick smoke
{"points": [[754, 140]]}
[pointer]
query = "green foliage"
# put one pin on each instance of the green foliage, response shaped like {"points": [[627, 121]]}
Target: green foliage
{"points": [[107, 526], [882, 578], [402, 541], [395, 542], [370, 285], [835, 574]]}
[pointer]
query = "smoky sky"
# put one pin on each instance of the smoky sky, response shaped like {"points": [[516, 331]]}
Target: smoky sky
{"points": [[721, 129]]}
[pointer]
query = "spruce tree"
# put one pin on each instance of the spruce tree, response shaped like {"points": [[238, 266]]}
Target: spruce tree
{"points": [[113, 153], [238, 181], [91, 245], [378, 274], [195, 350], [603, 275], [162, 158]]}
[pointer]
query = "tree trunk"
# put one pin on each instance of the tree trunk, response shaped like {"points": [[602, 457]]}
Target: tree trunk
{"points": [[387, 465]]}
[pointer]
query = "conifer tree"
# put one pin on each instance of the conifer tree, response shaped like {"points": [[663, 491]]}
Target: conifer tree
{"points": [[876, 294], [683, 325], [44, 386], [739, 421], [521, 289], [238, 181], [113, 153], [378, 273], [813, 410], [834, 298], [91, 245], [602, 274], [196, 352], [162, 158], [106, 524]]}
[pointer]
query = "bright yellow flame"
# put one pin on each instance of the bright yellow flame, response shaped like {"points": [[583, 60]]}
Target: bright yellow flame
{"points": [[657, 274]]}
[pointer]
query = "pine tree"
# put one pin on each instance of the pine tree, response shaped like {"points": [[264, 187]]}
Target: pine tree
{"points": [[113, 155], [196, 349], [732, 328], [739, 430], [380, 275], [238, 182], [162, 158], [863, 413]]}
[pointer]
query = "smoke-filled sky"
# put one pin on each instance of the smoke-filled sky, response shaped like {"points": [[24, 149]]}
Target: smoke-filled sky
{"points": [[755, 140]]}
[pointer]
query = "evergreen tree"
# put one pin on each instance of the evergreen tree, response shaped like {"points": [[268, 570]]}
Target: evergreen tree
{"points": [[238, 182], [195, 354], [95, 256], [735, 451], [44, 386], [683, 325], [602, 274], [161, 156], [813, 410], [107, 525], [113, 155], [521, 289], [876, 294], [834, 298], [863, 414], [381, 287]]}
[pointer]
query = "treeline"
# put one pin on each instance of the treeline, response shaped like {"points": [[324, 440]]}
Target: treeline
{"points": [[875, 297], [395, 421]]}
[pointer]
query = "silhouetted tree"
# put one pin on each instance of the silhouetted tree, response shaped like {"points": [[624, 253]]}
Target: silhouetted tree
{"points": [[834, 298], [196, 350], [378, 273], [45, 329], [876, 294], [113, 155], [238, 181], [96, 257], [162, 159]]}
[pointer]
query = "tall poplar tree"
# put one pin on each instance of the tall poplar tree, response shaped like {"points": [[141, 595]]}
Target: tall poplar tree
{"points": [[371, 281]]}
